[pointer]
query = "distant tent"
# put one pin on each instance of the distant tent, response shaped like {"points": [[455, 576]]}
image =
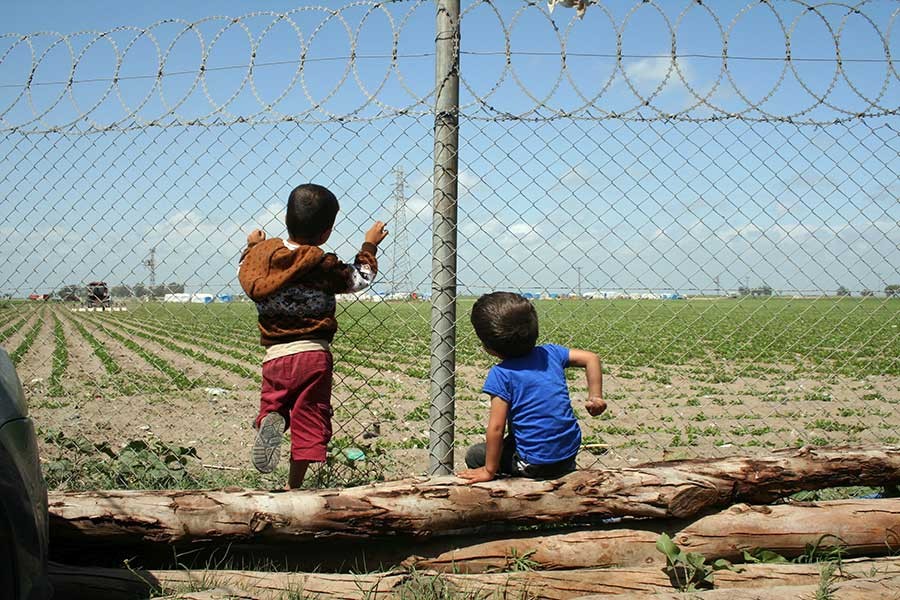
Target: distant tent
{"points": [[201, 298], [224, 297]]}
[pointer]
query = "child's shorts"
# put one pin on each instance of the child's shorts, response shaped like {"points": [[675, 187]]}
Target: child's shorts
{"points": [[513, 464], [298, 386]]}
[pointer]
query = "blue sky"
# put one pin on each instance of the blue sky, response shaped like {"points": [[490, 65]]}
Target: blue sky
{"points": [[628, 204]]}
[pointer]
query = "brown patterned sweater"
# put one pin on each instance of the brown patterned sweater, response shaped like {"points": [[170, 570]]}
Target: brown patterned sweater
{"points": [[293, 286]]}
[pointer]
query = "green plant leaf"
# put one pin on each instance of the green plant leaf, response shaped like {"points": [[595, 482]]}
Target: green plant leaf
{"points": [[720, 564], [695, 559], [760, 555], [665, 545]]}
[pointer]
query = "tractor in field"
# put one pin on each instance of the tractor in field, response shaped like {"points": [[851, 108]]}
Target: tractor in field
{"points": [[97, 295]]}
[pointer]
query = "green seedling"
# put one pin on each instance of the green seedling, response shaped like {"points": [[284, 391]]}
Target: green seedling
{"points": [[688, 571]]}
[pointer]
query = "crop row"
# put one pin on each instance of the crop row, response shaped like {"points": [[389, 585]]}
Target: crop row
{"points": [[60, 359], [192, 336], [236, 348], [163, 334], [852, 337], [28, 340], [178, 378], [108, 362], [393, 333], [189, 352], [12, 329], [231, 322]]}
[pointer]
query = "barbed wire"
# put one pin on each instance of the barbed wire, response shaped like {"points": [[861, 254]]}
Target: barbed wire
{"points": [[44, 76]]}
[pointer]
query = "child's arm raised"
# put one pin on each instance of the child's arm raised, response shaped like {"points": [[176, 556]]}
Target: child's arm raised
{"points": [[340, 278], [253, 238], [593, 371], [256, 236], [494, 444]]}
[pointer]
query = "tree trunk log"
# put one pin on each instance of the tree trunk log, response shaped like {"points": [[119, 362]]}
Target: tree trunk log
{"points": [[860, 527], [423, 507], [216, 594], [120, 584], [576, 550], [885, 587], [563, 585], [90, 583]]}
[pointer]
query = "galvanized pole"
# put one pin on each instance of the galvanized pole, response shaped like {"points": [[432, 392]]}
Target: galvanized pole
{"points": [[443, 252]]}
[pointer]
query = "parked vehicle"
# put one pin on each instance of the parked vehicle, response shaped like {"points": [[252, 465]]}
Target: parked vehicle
{"points": [[97, 295], [23, 496]]}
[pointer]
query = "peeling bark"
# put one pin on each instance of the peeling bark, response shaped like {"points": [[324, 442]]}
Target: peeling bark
{"points": [[215, 594], [576, 550], [115, 584], [87, 583], [860, 527], [886, 587], [563, 585], [423, 507]]}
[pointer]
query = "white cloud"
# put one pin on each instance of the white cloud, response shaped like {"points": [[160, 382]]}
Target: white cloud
{"points": [[521, 229], [577, 176], [741, 231], [674, 75], [654, 71], [418, 207], [649, 69], [468, 180], [418, 202], [270, 217]]}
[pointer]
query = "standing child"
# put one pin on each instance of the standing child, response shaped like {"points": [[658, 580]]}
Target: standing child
{"points": [[528, 391], [293, 283]]}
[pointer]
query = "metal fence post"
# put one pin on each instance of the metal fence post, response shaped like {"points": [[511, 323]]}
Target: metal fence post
{"points": [[443, 253]]}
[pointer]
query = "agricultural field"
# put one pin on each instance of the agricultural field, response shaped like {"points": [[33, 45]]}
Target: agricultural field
{"points": [[164, 395]]}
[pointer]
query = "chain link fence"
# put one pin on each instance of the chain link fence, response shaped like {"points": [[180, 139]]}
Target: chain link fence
{"points": [[705, 195]]}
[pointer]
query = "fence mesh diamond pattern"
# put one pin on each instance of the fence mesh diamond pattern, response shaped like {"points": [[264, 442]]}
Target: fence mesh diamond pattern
{"points": [[705, 195]]}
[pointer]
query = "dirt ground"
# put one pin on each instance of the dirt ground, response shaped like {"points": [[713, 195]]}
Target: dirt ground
{"points": [[653, 413]]}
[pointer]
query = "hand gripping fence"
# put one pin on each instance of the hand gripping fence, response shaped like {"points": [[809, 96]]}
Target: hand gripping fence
{"points": [[705, 194]]}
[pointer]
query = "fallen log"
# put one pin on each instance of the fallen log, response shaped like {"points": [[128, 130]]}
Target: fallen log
{"points": [[563, 585], [575, 550], [74, 583], [886, 587], [858, 527], [90, 583], [679, 489], [215, 594]]}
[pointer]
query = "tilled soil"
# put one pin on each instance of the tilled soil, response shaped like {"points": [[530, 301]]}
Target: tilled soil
{"points": [[673, 412]]}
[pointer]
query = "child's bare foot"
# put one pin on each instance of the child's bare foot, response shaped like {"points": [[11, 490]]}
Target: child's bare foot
{"points": [[268, 439]]}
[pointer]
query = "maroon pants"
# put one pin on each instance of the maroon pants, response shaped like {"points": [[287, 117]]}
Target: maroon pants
{"points": [[298, 386]]}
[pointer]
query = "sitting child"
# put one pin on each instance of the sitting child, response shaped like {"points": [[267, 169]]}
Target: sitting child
{"points": [[528, 390]]}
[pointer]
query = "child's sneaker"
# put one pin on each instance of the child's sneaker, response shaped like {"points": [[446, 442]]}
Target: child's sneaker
{"points": [[268, 439]]}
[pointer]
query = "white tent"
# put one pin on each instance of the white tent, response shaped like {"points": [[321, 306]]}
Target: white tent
{"points": [[177, 298]]}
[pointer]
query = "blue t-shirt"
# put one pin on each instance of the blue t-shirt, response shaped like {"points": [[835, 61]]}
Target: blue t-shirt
{"points": [[540, 413]]}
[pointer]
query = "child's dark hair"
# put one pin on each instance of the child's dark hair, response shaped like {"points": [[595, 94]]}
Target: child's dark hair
{"points": [[506, 323], [311, 211]]}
